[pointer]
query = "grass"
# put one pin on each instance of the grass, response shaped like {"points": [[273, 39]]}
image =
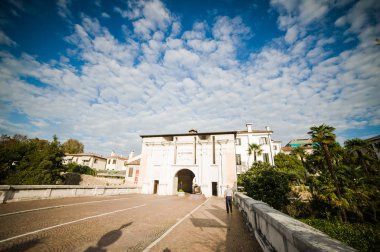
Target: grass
{"points": [[361, 236]]}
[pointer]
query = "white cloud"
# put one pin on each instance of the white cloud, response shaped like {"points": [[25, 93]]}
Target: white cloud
{"points": [[291, 34], [5, 40], [105, 15], [174, 80], [148, 16], [312, 10], [64, 8]]}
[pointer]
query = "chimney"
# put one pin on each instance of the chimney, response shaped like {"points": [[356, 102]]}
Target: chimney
{"points": [[131, 154], [267, 128], [113, 154], [249, 127]]}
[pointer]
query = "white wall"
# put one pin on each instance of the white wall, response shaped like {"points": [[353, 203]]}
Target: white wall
{"points": [[162, 159], [248, 138], [86, 160], [118, 166]]}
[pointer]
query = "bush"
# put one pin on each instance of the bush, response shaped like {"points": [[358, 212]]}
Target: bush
{"points": [[82, 169], [72, 178], [299, 209], [267, 184], [361, 236]]}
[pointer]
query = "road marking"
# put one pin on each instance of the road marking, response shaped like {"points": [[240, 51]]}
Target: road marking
{"points": [[59, 206], [172, 227], [70, 222]]}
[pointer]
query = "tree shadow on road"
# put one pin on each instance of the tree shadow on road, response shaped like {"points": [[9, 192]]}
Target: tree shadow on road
{"points": [[108, 239], [24, 246]]}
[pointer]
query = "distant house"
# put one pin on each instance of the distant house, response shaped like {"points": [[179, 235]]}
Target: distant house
{"points": [[306, 144], [132, 170], [91, 160], [116, 162], [263, 138], [276, 147], [375, 142]]}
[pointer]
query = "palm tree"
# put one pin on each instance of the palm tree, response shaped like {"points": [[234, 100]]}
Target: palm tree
{"points": [[301, 154], [357, 146], [256, 150], [324, 136]]}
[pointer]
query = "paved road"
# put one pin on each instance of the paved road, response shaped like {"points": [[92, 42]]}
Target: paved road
{"points": [[114, 223]]}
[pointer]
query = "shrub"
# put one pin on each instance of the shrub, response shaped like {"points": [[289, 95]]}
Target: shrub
{"points": [[267, 184], [362, 236], [72, 178], [299, 209], [82, 169]]}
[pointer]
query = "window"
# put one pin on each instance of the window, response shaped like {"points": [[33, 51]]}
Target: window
{"points": [[238, 159], [275, 147], [263, 140], [130, 172], [266, 157], [109, 161], [114, 161], [169, 138], [238, 141], [95, 160]]}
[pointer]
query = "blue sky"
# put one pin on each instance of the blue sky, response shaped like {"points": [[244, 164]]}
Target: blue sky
{"points": [[105, 72]]}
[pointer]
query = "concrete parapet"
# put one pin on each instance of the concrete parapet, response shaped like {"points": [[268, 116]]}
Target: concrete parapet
{"points": [[9, 193], [277, 231]]}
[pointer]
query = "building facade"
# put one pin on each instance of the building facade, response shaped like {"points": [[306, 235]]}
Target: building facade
{"points": [[116, 162], [192, 162], [263, 138], [375, 143], [306, 144], [91, 160], [132, 174]]}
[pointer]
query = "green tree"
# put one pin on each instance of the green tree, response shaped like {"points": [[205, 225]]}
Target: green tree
{"points": [[324, 136], [300, 153], [254, 149], [358, 149], [73, 146], [30, 161], [291, 165], [265, 183]]}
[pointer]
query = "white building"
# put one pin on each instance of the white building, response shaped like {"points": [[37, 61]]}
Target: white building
{"points": [[375, 143], [305, 144], [91, 160], [132, 174], [188, 161], [263, 138], [116, 162]]}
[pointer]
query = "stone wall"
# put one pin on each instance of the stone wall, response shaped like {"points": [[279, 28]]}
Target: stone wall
{"points": [[9, 193], [277, 231]]}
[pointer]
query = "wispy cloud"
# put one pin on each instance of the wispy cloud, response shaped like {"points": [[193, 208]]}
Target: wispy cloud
{"points": [[5, 40], [63, 7], [163, 79]]}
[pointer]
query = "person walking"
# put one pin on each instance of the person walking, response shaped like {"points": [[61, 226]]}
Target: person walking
{"points": [[228, 195]]}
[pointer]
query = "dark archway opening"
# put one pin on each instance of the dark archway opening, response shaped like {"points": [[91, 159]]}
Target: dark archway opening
{"points": [[185, 180]]}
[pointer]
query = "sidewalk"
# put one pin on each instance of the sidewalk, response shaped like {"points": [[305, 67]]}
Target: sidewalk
{"points": [[209, 228]]}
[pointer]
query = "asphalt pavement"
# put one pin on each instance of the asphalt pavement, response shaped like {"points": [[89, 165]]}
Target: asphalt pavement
{"points": [[123, 223]]}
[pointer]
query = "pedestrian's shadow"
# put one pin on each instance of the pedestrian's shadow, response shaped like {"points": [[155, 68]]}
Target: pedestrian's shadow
{"points": [[108, 239]]}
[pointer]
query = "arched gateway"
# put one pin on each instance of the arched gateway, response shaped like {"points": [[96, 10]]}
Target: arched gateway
{"points": [[183, 179]]}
